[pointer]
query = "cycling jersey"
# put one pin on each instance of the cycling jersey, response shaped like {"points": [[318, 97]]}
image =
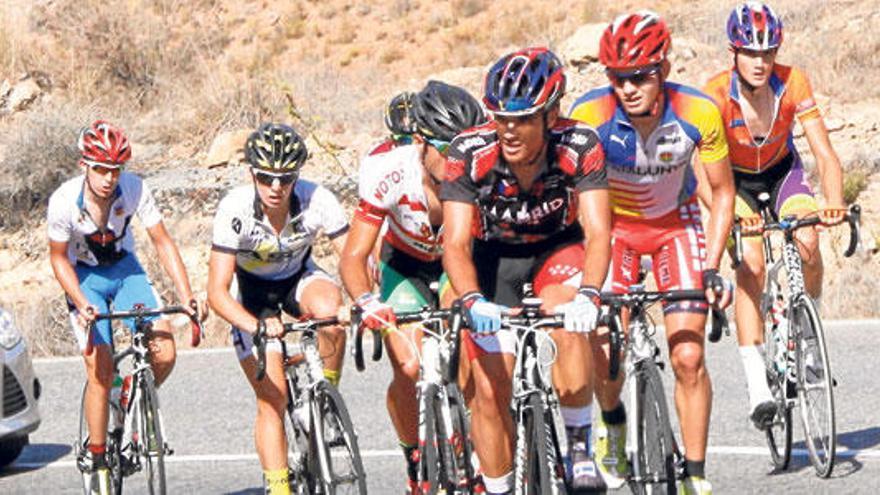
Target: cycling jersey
{"points": [[70, 222], [387, 145], [476, 173], [391, 186], [793, 99], [240, 227], [652, 177]]}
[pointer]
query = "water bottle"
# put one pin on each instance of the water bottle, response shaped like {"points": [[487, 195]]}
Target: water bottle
{"points": [[116, 418]]}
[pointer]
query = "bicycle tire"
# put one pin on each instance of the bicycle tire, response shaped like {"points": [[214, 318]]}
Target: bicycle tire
{"points": [[462, 445], [333, 430], [298, 442], [815, 386], [112, 456], [615, 338], [779, 434], [429, 454], [153, 442], [541, 476], [656, 450]]}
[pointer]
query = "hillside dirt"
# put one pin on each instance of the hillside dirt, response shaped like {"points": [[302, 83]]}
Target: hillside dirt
{"points": [[179, 74]]}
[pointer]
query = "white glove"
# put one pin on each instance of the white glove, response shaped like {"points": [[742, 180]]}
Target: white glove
{"points": [[582, 313]]}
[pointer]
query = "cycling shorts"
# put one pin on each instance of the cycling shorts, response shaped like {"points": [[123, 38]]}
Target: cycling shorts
{"points": [[267, 298], [502, 269], [785, 182], [677, 247], [122, 284], [405, 282]]}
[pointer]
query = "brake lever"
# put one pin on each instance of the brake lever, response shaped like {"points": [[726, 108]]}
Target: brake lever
{"points": [[854, 221]]}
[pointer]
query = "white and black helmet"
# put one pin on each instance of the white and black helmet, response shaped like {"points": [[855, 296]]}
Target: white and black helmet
{"points": [[440, 111], [275, 148]]}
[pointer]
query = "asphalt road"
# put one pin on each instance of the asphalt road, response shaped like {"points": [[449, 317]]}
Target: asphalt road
{"points": [[209, 409]]}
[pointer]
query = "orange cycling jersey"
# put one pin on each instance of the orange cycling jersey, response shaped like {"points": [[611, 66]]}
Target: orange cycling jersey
{"points": [[793, 98]]}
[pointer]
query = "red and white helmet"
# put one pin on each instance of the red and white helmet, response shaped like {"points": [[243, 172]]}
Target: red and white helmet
{"points": [[635, 40], [103, 144]]}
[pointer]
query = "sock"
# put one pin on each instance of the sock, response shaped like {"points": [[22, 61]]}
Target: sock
{"points": [[695, 468], [410, 453], [576, 416], [333, 376], [98, 449], [616, 416], [756, 374], [277, 481], [498, 486]]}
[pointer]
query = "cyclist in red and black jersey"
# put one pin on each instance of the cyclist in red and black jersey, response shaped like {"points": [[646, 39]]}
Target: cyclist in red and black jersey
{"points": [[515, 189]]}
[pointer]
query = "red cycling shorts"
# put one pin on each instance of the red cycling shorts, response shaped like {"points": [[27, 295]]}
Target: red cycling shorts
{"points": [[677, 246]]}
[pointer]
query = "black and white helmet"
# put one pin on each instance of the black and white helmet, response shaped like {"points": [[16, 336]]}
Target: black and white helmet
{"points": [[440, 111], [275, 148], [398, 114]]}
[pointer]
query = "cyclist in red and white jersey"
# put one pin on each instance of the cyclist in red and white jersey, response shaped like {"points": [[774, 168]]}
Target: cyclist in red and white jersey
{"points": [[760, 101], [398, 121], [520, 194], [651, 129], [92, 253], [399, 189], [262, 242]]}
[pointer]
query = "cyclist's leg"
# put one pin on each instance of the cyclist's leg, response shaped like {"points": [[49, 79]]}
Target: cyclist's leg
{"points": [[99, 364], [262, 298], [318, 295], [794, 197], [136, 288], [678, 265]]}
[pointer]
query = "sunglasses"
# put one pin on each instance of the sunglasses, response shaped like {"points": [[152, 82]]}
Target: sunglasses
{"points": [[268, 178], [105, 169], [637, 77], [440, 146]]}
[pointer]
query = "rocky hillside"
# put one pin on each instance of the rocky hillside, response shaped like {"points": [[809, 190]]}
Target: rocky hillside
{"points": [[188, 79]]}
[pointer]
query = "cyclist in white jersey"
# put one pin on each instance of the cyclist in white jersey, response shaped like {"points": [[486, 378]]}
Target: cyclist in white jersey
{"points": [[92, 253], [263, 236], [398, 189]]}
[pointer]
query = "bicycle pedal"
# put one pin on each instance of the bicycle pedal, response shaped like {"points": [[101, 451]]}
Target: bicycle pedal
{"points": [[168, 450], [833, 382]]}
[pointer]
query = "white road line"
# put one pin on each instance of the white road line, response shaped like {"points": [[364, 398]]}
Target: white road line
{"points": [[181, 459]]}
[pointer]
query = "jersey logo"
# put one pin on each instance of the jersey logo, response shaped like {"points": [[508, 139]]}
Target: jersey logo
{"points": [[619, 140], [413, 205], [236, 225], [454, 169]]}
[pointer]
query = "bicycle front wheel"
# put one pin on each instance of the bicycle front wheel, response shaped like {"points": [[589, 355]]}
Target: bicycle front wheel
{"points": [[815, 386], [778, 434], [152, 446], [656, 450], [542, 465], [462, 447], [342, 469]]}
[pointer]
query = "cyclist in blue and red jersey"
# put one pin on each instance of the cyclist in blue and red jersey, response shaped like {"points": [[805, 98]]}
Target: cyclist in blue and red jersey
{"points": [[651, 129], [525, 200]]}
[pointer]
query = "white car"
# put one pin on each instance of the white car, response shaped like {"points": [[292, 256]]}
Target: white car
{"points": [[19, 414]]}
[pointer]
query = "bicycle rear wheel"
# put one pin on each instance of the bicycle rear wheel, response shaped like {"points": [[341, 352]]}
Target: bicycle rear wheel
{"points": [[815, 386], [152, 441], [342, 470], [113, 455], [656, 450], [779, 433]]}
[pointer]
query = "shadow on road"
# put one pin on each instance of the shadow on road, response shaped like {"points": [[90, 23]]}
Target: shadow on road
{"points": [[248, 491], [36, 456], [844, 466]]}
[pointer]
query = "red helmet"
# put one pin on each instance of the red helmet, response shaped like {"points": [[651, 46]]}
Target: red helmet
{"points": [[104, 144], [634, 40]]}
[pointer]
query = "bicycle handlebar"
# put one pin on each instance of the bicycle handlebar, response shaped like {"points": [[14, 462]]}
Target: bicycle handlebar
{"points": [[787, 225], [139, 312], [306, 325], [719, 319]]}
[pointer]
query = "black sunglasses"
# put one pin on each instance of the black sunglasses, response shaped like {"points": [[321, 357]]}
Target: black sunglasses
{"points": [[637, 77], [267, 178]]}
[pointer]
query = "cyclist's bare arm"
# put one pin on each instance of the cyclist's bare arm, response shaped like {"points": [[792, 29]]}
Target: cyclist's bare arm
{"points": [[704, 191], [827, 163], [65, 274], [169, 257], [355, 253], [594, 214], [457, 260], [221, 268], [719, 178]]}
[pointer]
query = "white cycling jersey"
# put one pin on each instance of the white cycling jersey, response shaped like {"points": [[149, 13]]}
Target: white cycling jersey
{"points": [[240, 227], [69, 221], [391, 186]]}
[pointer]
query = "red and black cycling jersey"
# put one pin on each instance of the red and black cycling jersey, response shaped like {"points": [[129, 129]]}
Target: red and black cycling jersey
{"points": [[476, 173]]}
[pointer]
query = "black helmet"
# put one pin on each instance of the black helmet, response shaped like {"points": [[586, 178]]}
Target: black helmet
{"points": [[440, 111], [275, 148], [398, 114]]}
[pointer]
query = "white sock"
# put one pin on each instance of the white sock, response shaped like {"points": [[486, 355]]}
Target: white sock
{"points": [[756, 374], [502, 484], [576, 417]]}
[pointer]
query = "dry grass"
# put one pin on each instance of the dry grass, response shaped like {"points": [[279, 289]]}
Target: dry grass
{"points": [[45, 325]]}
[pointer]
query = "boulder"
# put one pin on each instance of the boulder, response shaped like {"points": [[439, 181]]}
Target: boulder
{"points": [[582, 47], [227, 147], [23, 94]]}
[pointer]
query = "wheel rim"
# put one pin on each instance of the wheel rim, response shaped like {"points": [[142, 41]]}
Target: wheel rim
{"points": [[779, 433], [342, 458]]}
